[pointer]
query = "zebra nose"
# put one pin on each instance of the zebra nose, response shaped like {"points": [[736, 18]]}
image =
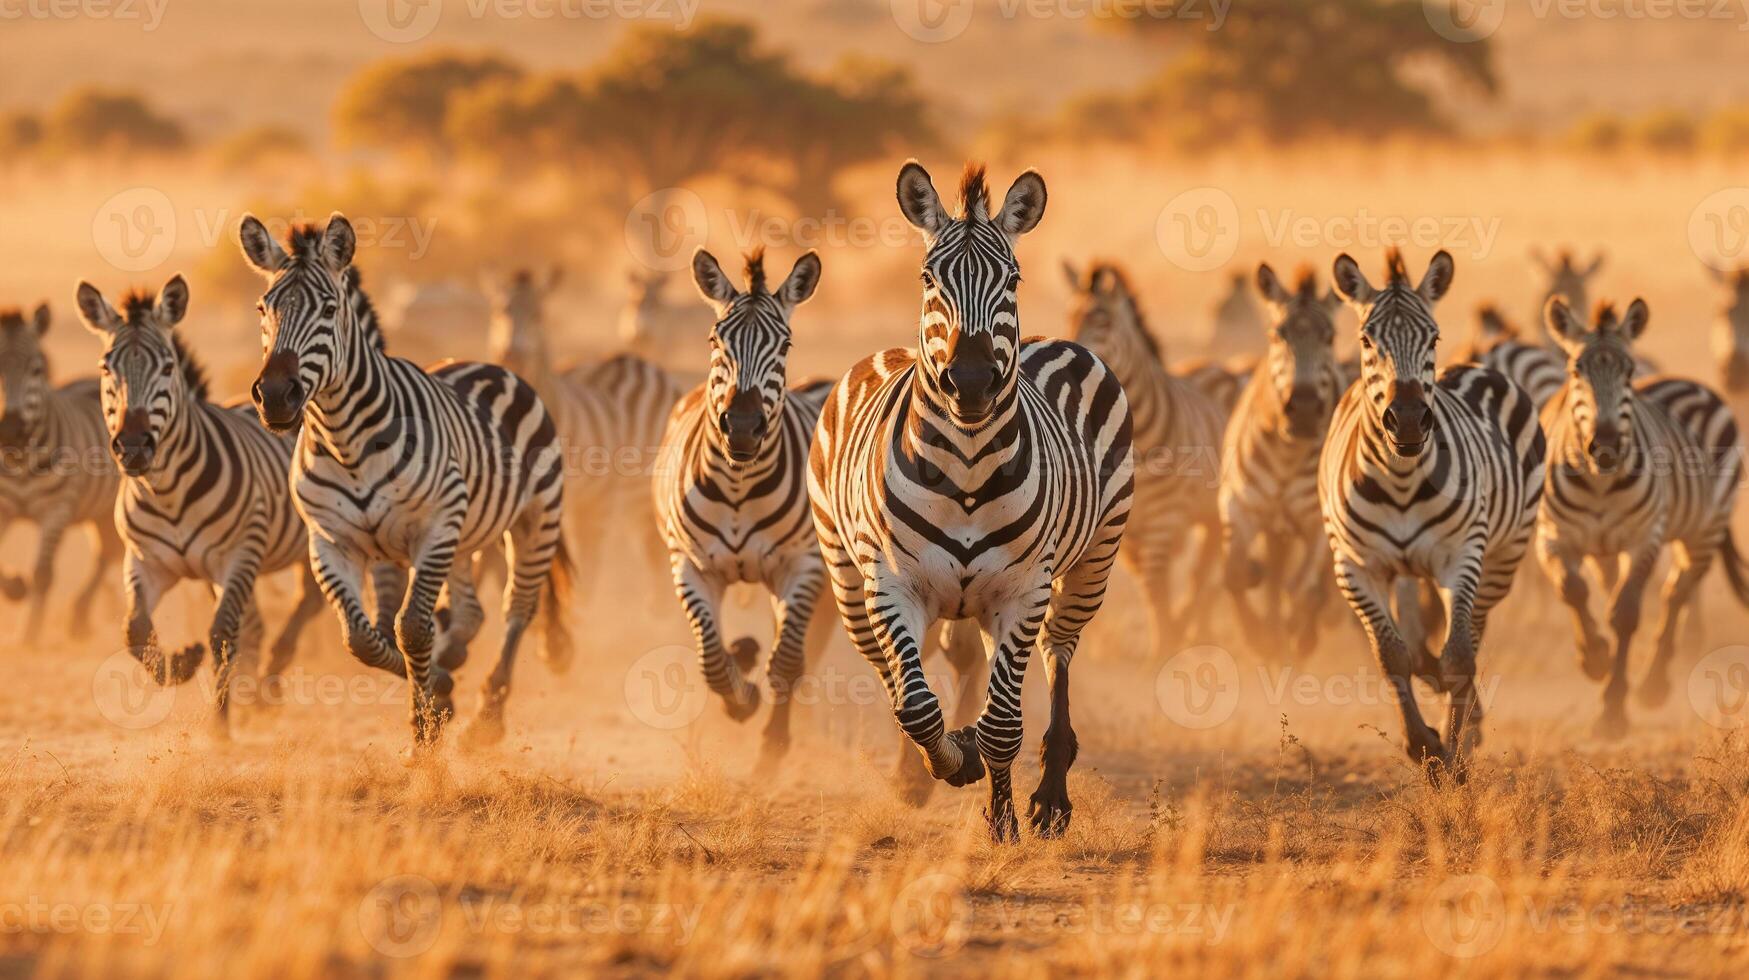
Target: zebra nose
{"points": [[278, 398], [133, 449], [1409, 420], [1301, 402], [968, 381]]}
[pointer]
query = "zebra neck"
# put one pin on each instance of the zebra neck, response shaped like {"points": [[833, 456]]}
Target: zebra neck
{"points": [[179, 441], [333, 413], [1148, 386], [931, 435]]}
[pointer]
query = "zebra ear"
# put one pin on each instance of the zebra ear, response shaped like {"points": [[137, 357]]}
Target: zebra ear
{"points": [[172, 303], [1634, 322], [259, 247], [1437, 280], [555, 275], [39, 318], [99, 317], [713, 285], [339, 242], [1563, 326], [1591, 270], [918, 201], [1024, 206], [1073, 276], [803, 279], [1269, 286], [1350, 282], [1540, 259]]}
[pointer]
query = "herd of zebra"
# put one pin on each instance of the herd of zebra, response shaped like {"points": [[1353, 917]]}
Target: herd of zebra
{"points": [[977, 478]]}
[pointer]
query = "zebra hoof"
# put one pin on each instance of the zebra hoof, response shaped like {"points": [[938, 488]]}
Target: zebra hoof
{"points": [[452, 656], [1004, 826], [1048, 812], [1654, 690], [559, 655], [1594, 659], [913, 783], [1612, 725], [971, 763], [13, 587], [741, 710], [745, 653], [485, 732]]}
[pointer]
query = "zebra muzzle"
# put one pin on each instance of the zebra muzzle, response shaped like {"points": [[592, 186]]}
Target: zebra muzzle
{"points": [[278, 400]]}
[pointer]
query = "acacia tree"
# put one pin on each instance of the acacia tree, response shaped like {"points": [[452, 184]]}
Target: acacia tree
{"points": [[403, 104], [93, 120]]}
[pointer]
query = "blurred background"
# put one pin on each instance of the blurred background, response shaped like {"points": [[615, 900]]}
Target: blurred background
{"points": [[1187, 138]]}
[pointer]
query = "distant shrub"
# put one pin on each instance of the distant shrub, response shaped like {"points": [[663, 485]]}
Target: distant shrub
{"points": [[1598, 133], [1727, 130], [96, 122], [1667, 131]]}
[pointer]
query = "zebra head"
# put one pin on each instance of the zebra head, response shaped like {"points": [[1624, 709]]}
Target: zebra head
{"points": [[307, 324], [24, 374], [1399, 342], [1731, 339], [518, 332], [1600, 388], [744, 391], [1301, 360], [146, 376], [1106, 319], [969, 339], [1566, 277]]}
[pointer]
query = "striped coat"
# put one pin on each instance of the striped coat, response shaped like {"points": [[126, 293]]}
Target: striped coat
{"points": [[975, 476], [55, 469], [1436, 481], [1633, 467], [204, 494]]}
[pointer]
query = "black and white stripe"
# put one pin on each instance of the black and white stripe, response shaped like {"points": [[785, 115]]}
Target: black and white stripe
{"points": [[975, 476], [1431, 481], [396, 465], [1731, 332], [731, 500], [1633, 467], [1497, 344], [55, 469], [203, 495]]}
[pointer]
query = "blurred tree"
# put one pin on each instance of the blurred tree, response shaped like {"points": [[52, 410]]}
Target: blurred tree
{"points": [[21, 134], [257, 145], [1286, 70], [402, 104], [1600, 132], [97, 121], [1727, 130], [1668, 131]]}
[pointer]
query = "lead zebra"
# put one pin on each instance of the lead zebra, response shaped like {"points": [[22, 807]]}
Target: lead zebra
{"points": [[55, 469], [1177, 436], [974, 476], [1269, 480], [204, 494], [1436, 481], [1633, 467], [394, 465], [732, 500]]}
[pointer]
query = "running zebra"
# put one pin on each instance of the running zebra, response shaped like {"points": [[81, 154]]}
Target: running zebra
{"points": [[1222, 381], [975, 476], [1633, 467], [1731, 334], [1435, 481], [1178, 435], [394, 465], [1497, 343], [203, 494], [1269, 483], [732, 502], [54, 468]]}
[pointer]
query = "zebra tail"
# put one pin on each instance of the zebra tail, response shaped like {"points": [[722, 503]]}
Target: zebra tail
{"points": [[558, 648], [1735, 570]]}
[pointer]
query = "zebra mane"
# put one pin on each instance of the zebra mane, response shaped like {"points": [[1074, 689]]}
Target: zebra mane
{"points": [[11, 317], [364, 312], [1306, 282], [304, 241], [1127, 295], [1489, 320], [1394, 265], [756, 271], [136, 306], [974, 193]]}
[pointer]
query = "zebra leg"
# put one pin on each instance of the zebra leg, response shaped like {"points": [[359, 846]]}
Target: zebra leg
{"points": [[416, 629], [1370, 599], [962, 646], [999, 727], [1151, 563], [1242, 574], [1624, 619], [1689, 564], [1457, 661], [388, 590], [1562, 566], [701, 594], [896, 624], [250, 634], [464, 619], [535, 545], [53, 524], [109, 551], [285, 645], [13, 587], [236, 596], [339, 574], [1199, 600], [1311, 594], [146, 585], [795, 608]]}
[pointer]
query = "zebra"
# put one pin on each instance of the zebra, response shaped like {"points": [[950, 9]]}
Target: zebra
{"points": [[1634, 466], [732, 501], [1435, 481], [1566, 277], [1497, 343], [1222, 381], [975, 476], [1178, 431], [1269, 479], [1237, 321], [654, 327], [55, 469], [1731, 334], [203, 494], [397, 465]]}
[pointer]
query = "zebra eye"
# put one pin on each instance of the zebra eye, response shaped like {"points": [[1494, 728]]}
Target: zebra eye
{"points": [[166, 371], [329, 310], [1365, 342], [928, 279]]}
